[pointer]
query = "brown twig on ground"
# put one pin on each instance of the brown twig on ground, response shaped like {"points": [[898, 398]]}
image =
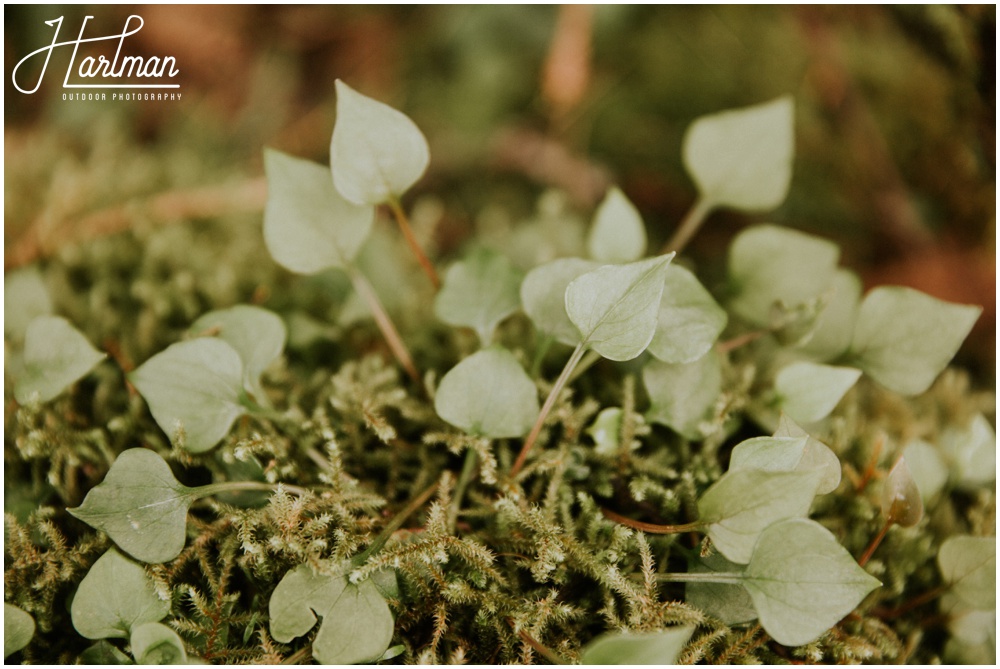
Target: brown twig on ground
{"points": [[42, 239]]}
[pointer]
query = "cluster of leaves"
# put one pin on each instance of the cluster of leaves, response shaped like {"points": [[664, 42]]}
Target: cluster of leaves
{"points": [[551, 529]]}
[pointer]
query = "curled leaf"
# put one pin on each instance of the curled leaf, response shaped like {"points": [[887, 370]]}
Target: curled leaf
{"points": [[901, 501]]}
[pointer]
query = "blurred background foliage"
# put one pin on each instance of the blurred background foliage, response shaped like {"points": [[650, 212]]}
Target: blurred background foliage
{"points": [[895, 127]]}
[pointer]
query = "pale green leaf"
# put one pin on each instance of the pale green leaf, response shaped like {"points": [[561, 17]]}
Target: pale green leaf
{"points": [[929, 470], [769, 265], [971, 452], [141, 506], [103, 652], [18, 629], [543, 293], [193, 387], [969, 564], [606, 431], [905, 338], [308, 225], [742, 158], [662, 647], [741, 504], [615, 307], [478, 292], [617, 234], [376, 152], [488, 394], [357, 624], [901, 502], [771, 454], [834, 327], [728, 602], [683, 396], [802, 581], [25, 298], [689, 320], [155, 643], [809, 391], [56, 355], [816, 455], [114, 597], [257, 335]]}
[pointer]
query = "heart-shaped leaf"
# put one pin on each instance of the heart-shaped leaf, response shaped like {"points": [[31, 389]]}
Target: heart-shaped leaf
{"points": [[543, 293], [971, 452], [488, 394], [772, 454], [615, 307], [376, 152], [18, 629], [742, 158], [928, 469], [193, 389], [808, 391], [683, 395], [257, 335], [689, 320], [969, 564], [617, 234], [308, 225], [141, 506], [479, 292], [769, 264], [802, 581], [834, 326], [103, 652], [905, 338], [662, 647], [56, 355], [155, 643], [901, 501], [816, 455], [114, 598], [25, 298], [741, 504], [357, 624]]}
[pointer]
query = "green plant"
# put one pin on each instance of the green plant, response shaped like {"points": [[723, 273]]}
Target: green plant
{"points": [[461, 518]]}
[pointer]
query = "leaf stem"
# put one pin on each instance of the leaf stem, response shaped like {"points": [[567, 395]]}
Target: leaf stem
{"points": [[389, 331], [247, 486], [468, 467], [586, 363], [538, 647], [411, 240], [867, 555], [550, 401], [731, 578], [692, 221], [394, 524], [650, 527], [543, 347]]}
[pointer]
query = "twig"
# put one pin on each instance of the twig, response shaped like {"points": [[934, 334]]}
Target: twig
{"points": [[394, 524], [650, 527], [385, 324], [411, 240], [248, 195], [685, 231]]}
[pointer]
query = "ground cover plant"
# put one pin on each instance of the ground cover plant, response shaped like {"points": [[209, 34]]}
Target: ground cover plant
{"points": [[603, 457]]}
